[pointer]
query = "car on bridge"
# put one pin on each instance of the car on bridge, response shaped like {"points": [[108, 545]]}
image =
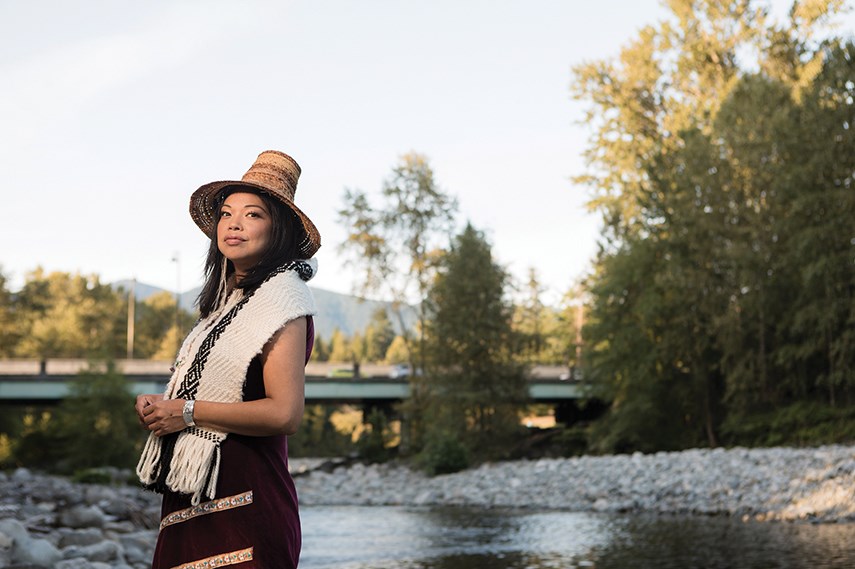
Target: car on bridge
{"points": [[341, 373], [399, 371]]}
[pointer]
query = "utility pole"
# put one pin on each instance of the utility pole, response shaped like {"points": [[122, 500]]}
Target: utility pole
{"points": [[580, 321], [176, 259], [132, 305]]}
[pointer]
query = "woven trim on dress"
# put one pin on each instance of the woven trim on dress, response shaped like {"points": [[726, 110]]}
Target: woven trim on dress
{"points": [[212, 507], [232, 558]]}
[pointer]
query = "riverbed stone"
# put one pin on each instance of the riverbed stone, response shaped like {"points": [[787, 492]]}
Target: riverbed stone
{"points": [[76, 563], [48, 520], [22, 475], [85, 536], [101, 551], [27, 550], [83, 516], [780, 483]]}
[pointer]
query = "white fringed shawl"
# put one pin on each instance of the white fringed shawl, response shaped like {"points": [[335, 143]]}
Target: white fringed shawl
{"points": [[211, 366]]}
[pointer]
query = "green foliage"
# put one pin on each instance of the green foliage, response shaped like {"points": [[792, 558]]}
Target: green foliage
{"points": [[474, 387], [379, 335], [317, 437], [65, 315], [92, 476], [94, 426], [395, 244], [340, 348], [807, 423], [548, 335], [10, 330], [320, 350], [724, 286], [443, 453], [374, 442], [397, 352], [530, 322], [155, 334], [573, 441]]}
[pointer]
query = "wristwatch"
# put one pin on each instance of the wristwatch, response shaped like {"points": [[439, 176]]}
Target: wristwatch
{"points": [[187, 412]]}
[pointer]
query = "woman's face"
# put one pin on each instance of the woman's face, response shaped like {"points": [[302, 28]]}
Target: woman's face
{"points": [[243, 230]]}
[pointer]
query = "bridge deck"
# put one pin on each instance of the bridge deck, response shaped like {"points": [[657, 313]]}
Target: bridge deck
{"points": [[33, 381]]}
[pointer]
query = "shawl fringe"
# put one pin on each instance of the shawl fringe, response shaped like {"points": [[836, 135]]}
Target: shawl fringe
{"points": [[218, 351]]}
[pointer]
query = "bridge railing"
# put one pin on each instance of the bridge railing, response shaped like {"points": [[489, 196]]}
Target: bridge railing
{"points": [[65, 367]]}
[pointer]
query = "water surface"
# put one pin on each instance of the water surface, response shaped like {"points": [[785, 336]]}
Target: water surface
{"points": [[380, 537]]}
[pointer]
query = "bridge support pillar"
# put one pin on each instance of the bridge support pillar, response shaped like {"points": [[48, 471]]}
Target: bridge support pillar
{"points": [[577, 410], [384, 406]]}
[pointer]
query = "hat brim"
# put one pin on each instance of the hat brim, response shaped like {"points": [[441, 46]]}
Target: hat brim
{"points": [[203, 212]]}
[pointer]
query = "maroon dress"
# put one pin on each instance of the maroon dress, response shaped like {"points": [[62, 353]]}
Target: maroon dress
{"points": [[253, 520]]}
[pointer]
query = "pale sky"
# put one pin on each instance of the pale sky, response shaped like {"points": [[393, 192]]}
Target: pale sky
{"points": [[114, 112]]}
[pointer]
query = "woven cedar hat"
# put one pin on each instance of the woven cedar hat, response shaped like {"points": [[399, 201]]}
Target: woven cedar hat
{"points": [[274, 173]]}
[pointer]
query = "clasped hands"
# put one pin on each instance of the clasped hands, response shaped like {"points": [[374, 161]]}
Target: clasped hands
{"points": [[158, 415]]}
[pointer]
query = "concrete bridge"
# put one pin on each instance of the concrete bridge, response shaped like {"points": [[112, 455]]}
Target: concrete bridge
{"points": [[47, 382]]}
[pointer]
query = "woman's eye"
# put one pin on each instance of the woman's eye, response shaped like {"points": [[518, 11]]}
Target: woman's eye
{"points": [[224, 213]]}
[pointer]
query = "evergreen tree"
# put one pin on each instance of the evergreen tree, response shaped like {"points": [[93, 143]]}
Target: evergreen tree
{"points": [[397, 352], [320, 350], [340, 350], [530, 322], [10, 332], [475, 387], [379, 335]]}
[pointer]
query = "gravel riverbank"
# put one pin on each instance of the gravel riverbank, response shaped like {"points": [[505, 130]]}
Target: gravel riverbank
{"points": [[816, 484], [48, 521]]}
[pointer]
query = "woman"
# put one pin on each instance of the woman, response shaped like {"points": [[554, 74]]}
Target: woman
{"points": [[218, 443]]}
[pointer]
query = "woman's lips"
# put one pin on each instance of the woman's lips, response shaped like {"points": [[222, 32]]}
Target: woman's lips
{"points": [[233, 240]]}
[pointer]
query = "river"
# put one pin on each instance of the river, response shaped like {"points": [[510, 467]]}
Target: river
{"points": [[386, 537]]}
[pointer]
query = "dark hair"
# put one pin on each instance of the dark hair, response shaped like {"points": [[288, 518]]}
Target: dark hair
{"points": [[285, 234]]}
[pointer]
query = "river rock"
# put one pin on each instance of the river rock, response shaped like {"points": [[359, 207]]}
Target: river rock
{"points": [[86, 536], [49, 521], [83, 517], [816, 484], [102, 551], [77, 563], [27, 550], [138, 546]]}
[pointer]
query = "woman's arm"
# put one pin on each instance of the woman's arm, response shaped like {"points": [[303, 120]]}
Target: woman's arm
{"points": [[280, 412]]}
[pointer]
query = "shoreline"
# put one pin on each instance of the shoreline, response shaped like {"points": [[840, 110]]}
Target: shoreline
{"points": [[814, 484], [50, 521]]}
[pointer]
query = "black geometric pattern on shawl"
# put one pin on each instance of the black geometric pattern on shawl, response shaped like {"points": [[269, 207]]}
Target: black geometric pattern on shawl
{"points": [[190, 384]]}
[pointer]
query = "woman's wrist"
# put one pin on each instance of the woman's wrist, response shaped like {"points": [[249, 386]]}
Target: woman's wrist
{"points": [[187, 412]]}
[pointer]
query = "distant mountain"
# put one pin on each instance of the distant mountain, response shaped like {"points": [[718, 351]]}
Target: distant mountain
{"points": [[187, 300], [352, 314], [343, 311]]}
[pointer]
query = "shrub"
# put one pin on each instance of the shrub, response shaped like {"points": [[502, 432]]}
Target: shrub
{"points": [[443, 454], [373, 443], [94, 426]]}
